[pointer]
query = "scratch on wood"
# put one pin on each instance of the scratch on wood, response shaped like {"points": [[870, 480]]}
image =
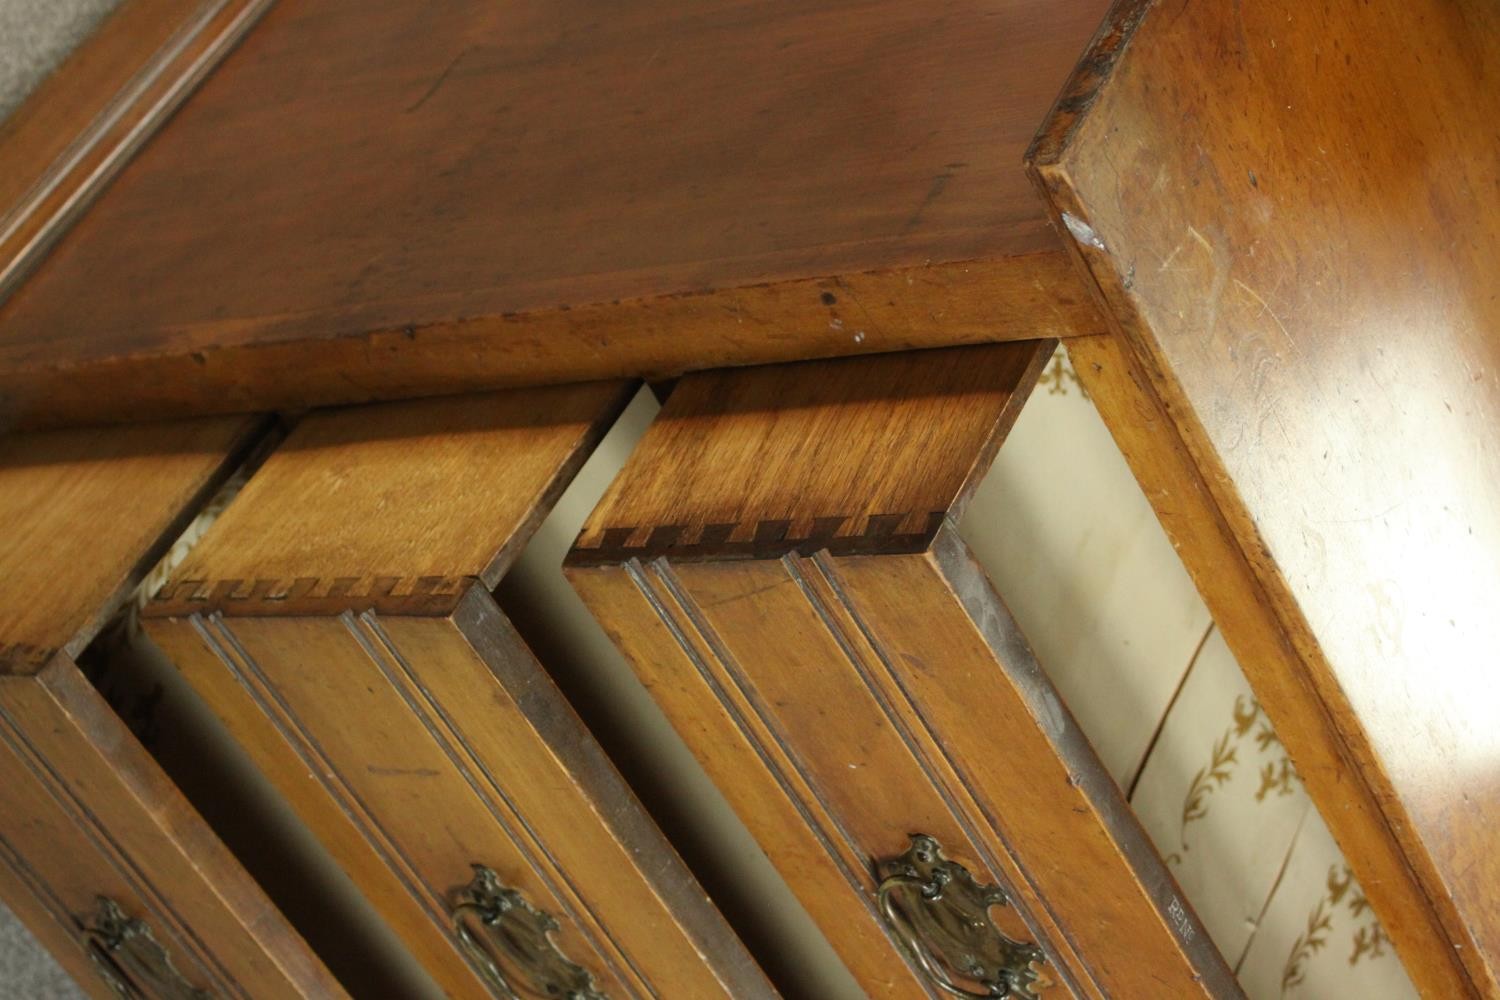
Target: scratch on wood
{"points": [[402, 772], [934, 192], [1082, 231], [1265, 308], [442, 78]]}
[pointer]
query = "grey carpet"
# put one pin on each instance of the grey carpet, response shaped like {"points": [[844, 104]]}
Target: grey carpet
{"points": [[36, 35], [26, 971]]}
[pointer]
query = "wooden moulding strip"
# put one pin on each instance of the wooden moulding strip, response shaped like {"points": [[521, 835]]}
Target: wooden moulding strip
{"points": [[1274, 666], [1145, 146], [1029, 297], [83, 125], [141, 831]]}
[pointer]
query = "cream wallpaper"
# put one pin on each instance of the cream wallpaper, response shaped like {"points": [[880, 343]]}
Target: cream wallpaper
{"points": [[1072, 546]]}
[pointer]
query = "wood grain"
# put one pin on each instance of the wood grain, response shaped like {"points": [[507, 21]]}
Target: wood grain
{"points": [[80, 127], [405, 198], [750, 768], [399, 500], [1295, 240], [49, 925], [846, 701], [89, 813], [1273, 665], [886, 447], [87, 513], [84, 810], [366, 545]]}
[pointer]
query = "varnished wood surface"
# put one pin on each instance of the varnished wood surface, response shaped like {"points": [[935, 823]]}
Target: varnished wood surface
{"points": [[84, 810], [64, 103], [53, 932], [85, 513], [83, 123], [1291, 213], [397, 500], [366, 545], [87, 812], [750, 767], [716, 474], [463, 756], [845, 702], [404, 197]]}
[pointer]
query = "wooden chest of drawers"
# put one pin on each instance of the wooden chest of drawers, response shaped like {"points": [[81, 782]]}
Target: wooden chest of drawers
{"points": [[1265, 228]]}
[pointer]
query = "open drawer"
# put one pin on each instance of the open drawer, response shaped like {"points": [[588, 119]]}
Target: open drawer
{"points": [[100, 854], [805, 564], [778, 559], [338, 618]]}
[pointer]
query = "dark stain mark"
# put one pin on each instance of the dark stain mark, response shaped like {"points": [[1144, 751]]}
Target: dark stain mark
{"points": [[442, 78], [934, 192], [1254, 182], [402, 772], [829, 299], [747, 595], [200, 357]]}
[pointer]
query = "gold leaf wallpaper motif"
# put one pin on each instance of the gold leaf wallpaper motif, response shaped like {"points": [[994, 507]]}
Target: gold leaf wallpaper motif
{"points": [[1367, 940], [1319, 938], [1308, 944], [1060, 379], [1276, 776], [1215, 774], [1251, 852]]}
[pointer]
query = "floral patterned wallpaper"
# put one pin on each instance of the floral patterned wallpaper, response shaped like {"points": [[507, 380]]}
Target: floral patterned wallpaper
{"points": [[1073, 547]]}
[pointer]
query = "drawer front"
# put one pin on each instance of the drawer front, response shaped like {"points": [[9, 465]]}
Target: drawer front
{"points": [[117, 859], [776, 561], [99, 852], [412, 729]]}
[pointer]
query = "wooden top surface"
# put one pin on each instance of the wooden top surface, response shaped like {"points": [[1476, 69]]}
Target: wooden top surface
{"points": [[844, 454], [1294, 212], [444, 490], [85, 513], [385, 165]]}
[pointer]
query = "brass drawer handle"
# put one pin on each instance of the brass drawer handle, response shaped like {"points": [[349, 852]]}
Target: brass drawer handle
{"points": [[939, 915], [521, 935], [130, 960]]}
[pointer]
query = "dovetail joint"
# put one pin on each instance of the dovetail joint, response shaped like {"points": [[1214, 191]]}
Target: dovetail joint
{"points": [[762, 539]]}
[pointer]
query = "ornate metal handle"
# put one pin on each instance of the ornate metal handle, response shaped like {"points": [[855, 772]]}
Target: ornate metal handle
{"points": [[939, 915], [130, 960], [521, 934]]}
